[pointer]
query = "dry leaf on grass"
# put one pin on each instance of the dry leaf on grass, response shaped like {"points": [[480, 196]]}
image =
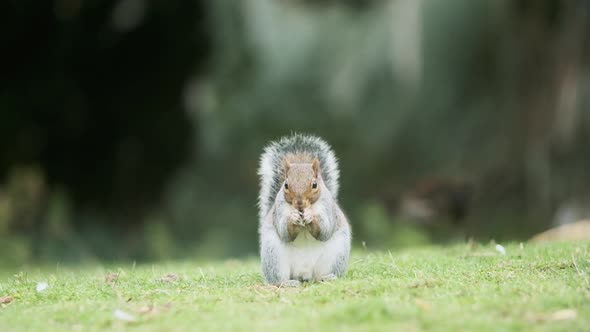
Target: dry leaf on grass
{"points": [[565, 314], [559, 315], [500, 248], [123, 316], [146, 309], [170, 277], [6, 299], [152, 309], [41, 287], [424, 305], [111, 278]]}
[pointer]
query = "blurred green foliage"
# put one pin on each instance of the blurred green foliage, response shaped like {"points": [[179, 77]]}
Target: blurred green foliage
{"points": [[151, 136]]}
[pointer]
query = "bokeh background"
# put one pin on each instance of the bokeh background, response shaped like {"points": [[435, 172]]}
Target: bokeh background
{"points": [[131, 129]]}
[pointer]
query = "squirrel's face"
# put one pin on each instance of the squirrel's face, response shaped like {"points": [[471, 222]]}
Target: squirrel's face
{"points": [[301, 187]]}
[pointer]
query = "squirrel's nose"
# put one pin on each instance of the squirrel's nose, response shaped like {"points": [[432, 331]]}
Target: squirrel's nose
{"points": [[300, 205]]}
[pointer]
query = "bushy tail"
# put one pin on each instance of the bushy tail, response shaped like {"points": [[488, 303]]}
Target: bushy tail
{"points": [[270, 171]]}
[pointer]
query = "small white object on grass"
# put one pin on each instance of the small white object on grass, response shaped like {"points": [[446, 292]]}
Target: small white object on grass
{"points": [[41, 286], [500, 249], [521, 246], [122, 315]]}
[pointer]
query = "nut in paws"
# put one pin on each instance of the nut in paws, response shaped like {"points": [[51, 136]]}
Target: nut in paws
{"points": [[296, 218]]}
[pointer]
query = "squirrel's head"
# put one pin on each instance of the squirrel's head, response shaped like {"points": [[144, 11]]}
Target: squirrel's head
{"points": [[302, 181]]}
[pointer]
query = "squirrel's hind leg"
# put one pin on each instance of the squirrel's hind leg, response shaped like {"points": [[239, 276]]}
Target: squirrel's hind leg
{"points": [[273, 258], [334, 260]]}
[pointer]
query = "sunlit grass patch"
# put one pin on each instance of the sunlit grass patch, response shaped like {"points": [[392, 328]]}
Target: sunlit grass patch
{"points": [[462, 287]]}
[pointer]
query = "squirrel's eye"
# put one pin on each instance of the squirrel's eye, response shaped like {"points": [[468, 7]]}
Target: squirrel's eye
{"points": [[286, 185], [314, 185]]}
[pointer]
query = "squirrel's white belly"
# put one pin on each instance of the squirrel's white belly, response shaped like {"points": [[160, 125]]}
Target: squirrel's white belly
{"points": [[303, 255]]}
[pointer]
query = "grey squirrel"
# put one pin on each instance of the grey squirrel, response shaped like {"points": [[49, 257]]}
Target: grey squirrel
{"points": [[304, 235]]}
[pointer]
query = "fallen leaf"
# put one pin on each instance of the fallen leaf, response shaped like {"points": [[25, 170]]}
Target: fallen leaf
{"points": [[122, 315], [146, 309], [152, 309], [111, 278], [170, 277], [500, 249], [6, 299], [41, 286], [559, 315], [424, 305], [565, 314]]}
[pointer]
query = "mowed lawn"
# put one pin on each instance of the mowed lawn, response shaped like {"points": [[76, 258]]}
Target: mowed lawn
{"points": [[462, 287]]}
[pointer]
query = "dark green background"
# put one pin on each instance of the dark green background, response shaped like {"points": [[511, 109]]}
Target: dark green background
{"points": [[132, 129]]}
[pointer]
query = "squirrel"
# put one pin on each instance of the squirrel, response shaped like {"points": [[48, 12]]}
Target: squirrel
{"points": [[304, 235]]}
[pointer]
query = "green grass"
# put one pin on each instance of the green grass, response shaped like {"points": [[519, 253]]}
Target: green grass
{"points": [[463, 287]]}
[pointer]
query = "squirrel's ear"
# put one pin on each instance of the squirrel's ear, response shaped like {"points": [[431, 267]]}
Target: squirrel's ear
{"points": [[286, 166], [315, 164]]}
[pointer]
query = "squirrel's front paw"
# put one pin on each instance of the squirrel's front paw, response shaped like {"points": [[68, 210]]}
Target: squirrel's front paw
{"points": [[295, 218], [308, 216]]}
